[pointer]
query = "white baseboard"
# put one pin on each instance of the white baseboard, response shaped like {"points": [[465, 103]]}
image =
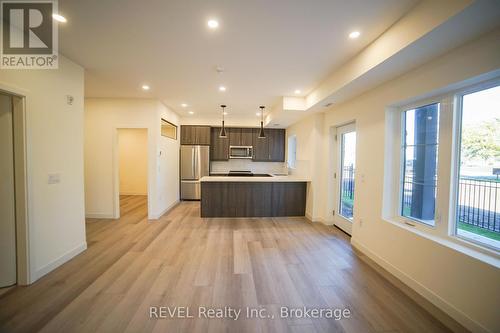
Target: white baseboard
{"points": [[423, 291], [327, 221], [315, 219], [58, 262], [163, 212], [99, 216]]}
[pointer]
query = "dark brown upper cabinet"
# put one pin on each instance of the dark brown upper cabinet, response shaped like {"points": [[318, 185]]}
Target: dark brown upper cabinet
{"points": [[234, 136], [219, 147], [277, 145], [271, 148], [260, 147], [247, 136], [187, 135], [195, 135], [240, 136], [268, 149]]}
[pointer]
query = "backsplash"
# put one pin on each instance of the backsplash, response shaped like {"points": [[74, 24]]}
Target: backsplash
{"points": [[243, 164]]}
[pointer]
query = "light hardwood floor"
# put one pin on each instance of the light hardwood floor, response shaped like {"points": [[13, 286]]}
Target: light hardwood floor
{"points": [[184, 260]]}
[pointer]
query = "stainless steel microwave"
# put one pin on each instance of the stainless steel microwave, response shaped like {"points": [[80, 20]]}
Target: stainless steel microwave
{"points": [[240, 151]]}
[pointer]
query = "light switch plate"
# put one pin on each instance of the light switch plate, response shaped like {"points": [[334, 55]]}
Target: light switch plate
{"points": [[54, 178]]}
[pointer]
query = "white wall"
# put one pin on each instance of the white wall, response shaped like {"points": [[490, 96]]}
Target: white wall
{"points": [[168, 171], [103, 116], [133, 161], [466, 288], [54, 145], [309, 133]]}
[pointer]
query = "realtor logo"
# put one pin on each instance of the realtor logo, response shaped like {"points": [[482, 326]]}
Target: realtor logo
{"points": [[29, 35]]}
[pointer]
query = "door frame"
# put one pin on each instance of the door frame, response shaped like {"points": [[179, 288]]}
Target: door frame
{"points": [[23, 255], [338, 220], [116, 171]]}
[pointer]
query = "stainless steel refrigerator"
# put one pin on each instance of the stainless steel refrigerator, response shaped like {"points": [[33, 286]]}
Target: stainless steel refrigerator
{"points": [[195, 163]]}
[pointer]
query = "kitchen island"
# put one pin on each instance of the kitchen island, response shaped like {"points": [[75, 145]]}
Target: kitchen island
{"points": [[228, 196]]}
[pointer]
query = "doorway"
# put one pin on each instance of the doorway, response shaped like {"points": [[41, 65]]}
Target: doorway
{"points": [[8, 264], [14, 260], [344, 175], [132, 170]]}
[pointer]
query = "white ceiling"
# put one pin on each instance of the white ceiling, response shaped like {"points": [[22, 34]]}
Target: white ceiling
{"points": [[267, 48]]}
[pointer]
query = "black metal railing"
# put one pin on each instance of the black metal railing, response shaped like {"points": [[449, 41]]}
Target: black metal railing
{"points": [[348, 182], [478, 203], [425, 189], [347, 191]]}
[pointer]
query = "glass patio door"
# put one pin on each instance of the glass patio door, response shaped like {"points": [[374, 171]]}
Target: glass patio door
{"points": [[345, 176]]}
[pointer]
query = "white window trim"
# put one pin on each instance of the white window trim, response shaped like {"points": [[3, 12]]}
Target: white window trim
{"points": [[394, 212], [444, 230], [455, 166], [293, 165]]}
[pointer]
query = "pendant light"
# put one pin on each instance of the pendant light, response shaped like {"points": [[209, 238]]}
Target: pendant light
{"points": [[262, 135], [222, 133]]}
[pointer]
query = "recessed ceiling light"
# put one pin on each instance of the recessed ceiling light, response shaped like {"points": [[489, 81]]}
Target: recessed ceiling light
{"points": [[59, 18], [354, 34], [191, 112], [222, 88], [213, 24], [297, 91], [184, 105], [145, 87]]}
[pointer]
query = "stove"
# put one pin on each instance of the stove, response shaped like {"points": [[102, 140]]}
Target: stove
{"points": [[240, 173]]}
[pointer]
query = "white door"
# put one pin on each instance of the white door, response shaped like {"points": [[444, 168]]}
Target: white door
{"points": [[344, 176], [8, 274]]}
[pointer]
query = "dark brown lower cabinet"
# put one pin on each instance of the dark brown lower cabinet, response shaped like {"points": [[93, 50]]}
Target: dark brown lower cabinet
{"points": [[253, 199]]}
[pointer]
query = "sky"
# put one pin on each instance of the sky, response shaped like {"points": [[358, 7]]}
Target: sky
{"points": [[349, 149], [481, 106]]}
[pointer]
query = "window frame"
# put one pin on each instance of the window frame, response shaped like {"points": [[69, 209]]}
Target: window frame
{"points": [[456, 160], [399, 156], [449, 145], [339, 140], [293, 165], [402, 161], [163, 121]]}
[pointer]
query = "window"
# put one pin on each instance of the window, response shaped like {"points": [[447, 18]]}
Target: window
{"points": [[168, 129], [442, 167], [419, 151], [292, 151], [477, 215]]}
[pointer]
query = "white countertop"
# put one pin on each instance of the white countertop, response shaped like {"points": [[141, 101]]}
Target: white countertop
{"points": [[272, 179]]}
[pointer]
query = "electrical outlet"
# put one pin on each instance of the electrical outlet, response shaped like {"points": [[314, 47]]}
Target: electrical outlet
{"points": [[360, 223], [54, 178]]}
